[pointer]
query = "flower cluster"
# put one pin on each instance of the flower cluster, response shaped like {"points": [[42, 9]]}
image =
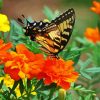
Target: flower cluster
{"points": [[24, 63], [4, 23], [92, 34], [58, 71], [96, 7]]}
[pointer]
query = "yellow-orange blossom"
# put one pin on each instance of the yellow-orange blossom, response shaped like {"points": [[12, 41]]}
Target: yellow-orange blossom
{"points": [[92, 34]]}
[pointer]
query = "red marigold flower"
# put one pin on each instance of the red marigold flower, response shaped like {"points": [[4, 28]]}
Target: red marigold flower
{"points": [[58, 71], [3, 50], [23, 63], [92, 34], [96, 7]]}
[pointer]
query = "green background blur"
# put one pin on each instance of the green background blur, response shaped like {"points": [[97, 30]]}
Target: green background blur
{"points": [[34, 8]]}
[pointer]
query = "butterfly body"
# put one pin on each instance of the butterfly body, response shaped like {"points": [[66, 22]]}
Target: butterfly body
{"points": [[52, 36]]}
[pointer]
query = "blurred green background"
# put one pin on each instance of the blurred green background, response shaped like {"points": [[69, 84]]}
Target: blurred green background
{"points": [[34, 8]]}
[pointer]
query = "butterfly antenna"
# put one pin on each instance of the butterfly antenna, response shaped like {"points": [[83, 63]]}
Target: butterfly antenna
{"points": [[20, 20], [25, 18]]}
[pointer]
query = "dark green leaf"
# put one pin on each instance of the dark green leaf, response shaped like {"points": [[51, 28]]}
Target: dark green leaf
{"points": [[39, 84], [21, 86], [99, 23], [1, 84], [48, 87], [2, 97], [13, 88], [52, 91]]}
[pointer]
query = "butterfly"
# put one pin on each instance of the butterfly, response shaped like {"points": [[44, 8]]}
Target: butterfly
{"points": [[53, 36]]}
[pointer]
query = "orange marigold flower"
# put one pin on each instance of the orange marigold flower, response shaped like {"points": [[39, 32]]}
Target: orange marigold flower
{"points": [[58, 71], [96, 7], [23, 63], [3, 48], [92, 34]]}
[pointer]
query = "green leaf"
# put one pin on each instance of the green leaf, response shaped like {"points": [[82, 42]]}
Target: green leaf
{"points": [[93, 70], [84, 64], [48, 12], [87, 44], [85, 75], [34, 47], [83, 89], [16, 27], [78, 87], [88, 97], [80, 98], [72, 55], [2, 97], [69, 96]]}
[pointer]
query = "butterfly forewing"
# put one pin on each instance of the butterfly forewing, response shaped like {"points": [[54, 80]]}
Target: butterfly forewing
{"points": [[58, 33]]}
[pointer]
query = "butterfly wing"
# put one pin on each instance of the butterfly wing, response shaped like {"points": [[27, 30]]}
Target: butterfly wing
{"points": [[57, 33]]}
